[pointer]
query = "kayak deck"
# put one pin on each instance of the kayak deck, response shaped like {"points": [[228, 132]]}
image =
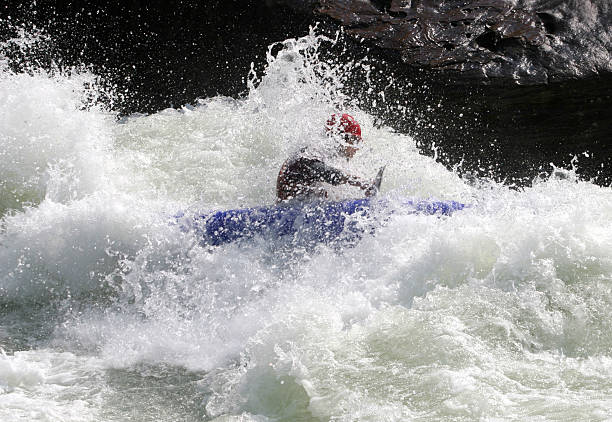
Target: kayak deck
{"points": [[320, 222]]}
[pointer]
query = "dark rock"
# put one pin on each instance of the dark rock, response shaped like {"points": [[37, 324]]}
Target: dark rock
{"points": [[528, 42]]}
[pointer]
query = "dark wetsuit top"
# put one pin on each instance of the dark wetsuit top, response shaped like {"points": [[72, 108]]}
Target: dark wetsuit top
{"points": [[299, 176]]}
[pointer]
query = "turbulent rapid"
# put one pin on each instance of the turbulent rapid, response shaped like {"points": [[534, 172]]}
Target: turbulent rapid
{"points": [[110, 312]]}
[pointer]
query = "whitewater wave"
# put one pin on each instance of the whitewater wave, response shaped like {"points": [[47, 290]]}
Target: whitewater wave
{"points": [[499, 311]]}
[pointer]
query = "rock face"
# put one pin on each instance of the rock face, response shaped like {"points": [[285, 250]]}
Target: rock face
{"points": [[529, 42]]}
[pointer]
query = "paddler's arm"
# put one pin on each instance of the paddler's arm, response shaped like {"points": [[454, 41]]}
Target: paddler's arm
{"points": [[370, 189], [336, 177]]}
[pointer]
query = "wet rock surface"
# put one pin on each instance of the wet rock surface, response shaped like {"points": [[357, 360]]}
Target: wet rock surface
{"points": [[491, 41]]}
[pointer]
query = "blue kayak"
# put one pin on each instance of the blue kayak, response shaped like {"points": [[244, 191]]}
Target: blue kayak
{"points": [[315, 222]]}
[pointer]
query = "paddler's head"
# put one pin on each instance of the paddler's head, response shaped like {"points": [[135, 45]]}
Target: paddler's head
{"points": [[345, 129]]}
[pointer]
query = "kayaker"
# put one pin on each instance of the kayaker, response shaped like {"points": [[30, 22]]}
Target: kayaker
{"points": [[302, 177]]}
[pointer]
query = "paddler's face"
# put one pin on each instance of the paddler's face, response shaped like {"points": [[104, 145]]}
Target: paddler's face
{"points": [[350, 145]]}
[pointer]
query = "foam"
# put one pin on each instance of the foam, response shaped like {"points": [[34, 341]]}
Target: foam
{"points": [[52, 147], [48, 386]]}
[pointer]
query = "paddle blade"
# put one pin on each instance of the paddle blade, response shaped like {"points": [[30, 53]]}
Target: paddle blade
{"points": [[378, 179]]}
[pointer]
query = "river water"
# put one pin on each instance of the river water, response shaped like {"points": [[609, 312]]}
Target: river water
{"points": [[109, 312]]}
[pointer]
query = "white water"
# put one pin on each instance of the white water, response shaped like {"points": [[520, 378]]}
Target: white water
{"points": [[110, 313]]}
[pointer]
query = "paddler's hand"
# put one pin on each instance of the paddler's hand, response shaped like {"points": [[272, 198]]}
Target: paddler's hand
{"points": [[370, 190]]}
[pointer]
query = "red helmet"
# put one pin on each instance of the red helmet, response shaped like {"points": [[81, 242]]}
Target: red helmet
{"points": [[344, 123]]}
